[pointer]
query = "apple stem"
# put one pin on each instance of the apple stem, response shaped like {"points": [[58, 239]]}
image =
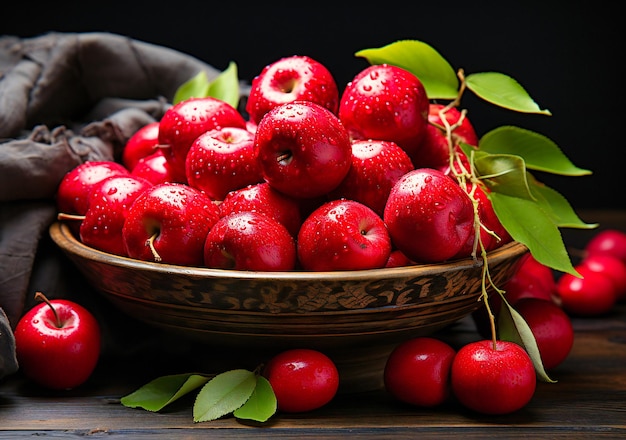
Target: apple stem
{"points": [[65, 216], [150, 244], [41, 297]]}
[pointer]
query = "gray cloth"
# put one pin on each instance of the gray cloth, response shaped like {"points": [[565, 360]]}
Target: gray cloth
{"points": [[67, 98]]}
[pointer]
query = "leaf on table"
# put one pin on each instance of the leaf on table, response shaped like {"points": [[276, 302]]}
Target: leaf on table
{"points": [[435, 73], [512, 327], [538, 151], [262, 403], [223, 394], [502, 90], [164, 390]]}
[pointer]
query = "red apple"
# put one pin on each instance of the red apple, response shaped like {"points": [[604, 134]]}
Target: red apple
{"points": [[376, 167], [492, 233], [302, 379], [551, 327], [169, 223], [72, 196], [249, 241], [57, 343], [611, 241], [531, 280], [462, 128], [592, 295], [142, 143], [303, 149], [109, 203], [429, 217], [154, 168], [293, 78], [343, 235], [418, 371], [611, 266], [222, 160], [490, 379], [398, 259], [185, 121], [261, 197], [388, 103]]}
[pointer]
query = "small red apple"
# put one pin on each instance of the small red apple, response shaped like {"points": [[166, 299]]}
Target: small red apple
{"points": [[249, 241], [592, 295], [551, 327], [302, 379], [142, 143], [434, 151], [168, 223], [72, 195], [57, 343], [185, 121], [222, 160], [343, 235], [376, 167], [154, 168], [388, 103], [288, 79], [109, 203], [261, 197], [303, 149], [418, 371], [490, 379], [611, 241], [611, 266], [429, 217]]}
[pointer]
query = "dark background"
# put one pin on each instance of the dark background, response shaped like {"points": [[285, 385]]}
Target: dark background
{"points": [[566, 57]]}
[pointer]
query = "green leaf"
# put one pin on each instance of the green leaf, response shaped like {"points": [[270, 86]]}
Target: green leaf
{"points": [[529, 224], [539, 152], [502, 90], [502, 173], [197, 86], [262, 403], [162, 391], [559, 209], [223, 394], [226, 85], [512, 327], [435, 73]]}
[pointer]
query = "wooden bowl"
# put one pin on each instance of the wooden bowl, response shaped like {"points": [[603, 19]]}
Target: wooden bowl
{"points": [[355, 316]]}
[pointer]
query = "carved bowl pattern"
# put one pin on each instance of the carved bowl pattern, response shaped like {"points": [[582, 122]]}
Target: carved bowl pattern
{"points": [[341, 312]]}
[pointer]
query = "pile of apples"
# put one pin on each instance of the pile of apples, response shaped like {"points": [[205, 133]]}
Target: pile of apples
{"points": [[309, 179]]}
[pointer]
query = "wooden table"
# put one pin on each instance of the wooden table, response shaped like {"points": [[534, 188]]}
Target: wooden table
{"points": [[588, 401]]}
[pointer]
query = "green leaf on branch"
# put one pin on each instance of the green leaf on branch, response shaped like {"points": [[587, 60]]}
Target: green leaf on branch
{"points": [[512, 327], [502, 90], [262, 403], [197, 86], [503, 173], [539, 152], [223, 394], [557, 207], [435, 73], [529, 224], [164, 390], [224, 87]]}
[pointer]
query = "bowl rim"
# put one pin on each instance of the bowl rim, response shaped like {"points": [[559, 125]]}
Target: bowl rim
{"points": [[62, 235]]}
